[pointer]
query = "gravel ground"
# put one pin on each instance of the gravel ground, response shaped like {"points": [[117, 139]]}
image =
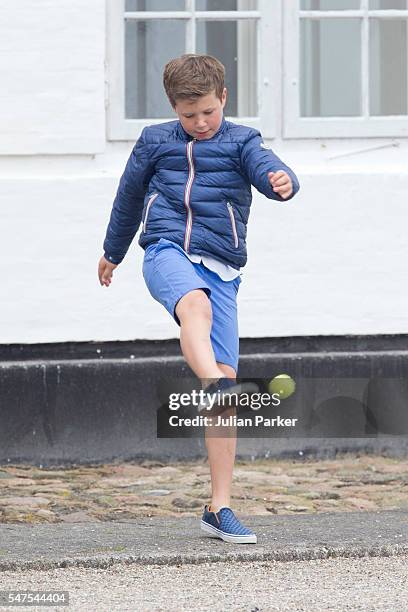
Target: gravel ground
{"points": [[367, 584]]}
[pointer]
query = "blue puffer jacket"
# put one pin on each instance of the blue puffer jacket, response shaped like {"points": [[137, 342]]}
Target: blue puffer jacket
{"points": [[196, 193]]}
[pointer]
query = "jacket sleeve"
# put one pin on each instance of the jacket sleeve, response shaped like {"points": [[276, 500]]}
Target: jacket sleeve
{"points": [[257, 160], [127, 207]]}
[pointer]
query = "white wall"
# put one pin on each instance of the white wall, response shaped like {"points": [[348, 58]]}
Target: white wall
{"points": [[52, 76], [331, 261]]}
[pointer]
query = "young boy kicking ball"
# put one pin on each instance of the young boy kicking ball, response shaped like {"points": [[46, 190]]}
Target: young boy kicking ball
{"points": [[189, 183]]}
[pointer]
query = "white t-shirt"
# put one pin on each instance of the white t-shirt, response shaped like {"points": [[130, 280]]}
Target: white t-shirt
{"points": [[224, 271]]}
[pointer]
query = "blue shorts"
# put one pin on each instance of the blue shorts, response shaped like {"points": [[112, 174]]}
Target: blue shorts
{"points": [[169, 274]]}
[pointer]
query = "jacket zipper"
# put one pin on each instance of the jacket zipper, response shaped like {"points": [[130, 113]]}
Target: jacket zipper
{"points": [[234, 228], [187, 194], [149, 203]]}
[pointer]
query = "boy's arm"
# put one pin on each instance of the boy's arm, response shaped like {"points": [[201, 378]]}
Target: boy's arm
{"points": [[257, 161], [128, 204]]}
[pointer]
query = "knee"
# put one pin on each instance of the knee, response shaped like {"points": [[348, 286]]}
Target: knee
{"points": [[194, 303]]}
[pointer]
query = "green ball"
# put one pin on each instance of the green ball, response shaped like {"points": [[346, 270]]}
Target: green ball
{"points": [[283, 385]]}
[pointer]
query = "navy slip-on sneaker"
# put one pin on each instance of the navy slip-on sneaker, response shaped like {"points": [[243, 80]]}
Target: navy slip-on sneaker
{"points": [[225, 525]]}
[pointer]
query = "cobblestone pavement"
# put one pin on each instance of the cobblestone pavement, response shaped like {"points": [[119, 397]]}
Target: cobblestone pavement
{"points": [[131, 490]]}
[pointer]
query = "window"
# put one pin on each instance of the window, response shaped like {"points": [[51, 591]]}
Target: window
{"points": [[346, 66], [144, 34]]}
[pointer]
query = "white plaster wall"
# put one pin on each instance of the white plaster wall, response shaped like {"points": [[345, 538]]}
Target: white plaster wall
{"points": [[52, 76], [330, 261]]}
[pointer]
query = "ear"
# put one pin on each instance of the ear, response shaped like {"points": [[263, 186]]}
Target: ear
{"points": [[224, 97]]}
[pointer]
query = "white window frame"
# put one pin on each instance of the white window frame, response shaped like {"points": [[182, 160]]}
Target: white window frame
{"points": [[295, 126], [268, 65]]}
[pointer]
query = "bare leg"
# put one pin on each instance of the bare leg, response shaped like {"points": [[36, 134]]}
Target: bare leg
{"points": [[221, 455], [195, 315]]}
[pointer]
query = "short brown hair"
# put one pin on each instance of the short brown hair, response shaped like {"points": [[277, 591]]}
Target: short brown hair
{"points": [[192, 76]]}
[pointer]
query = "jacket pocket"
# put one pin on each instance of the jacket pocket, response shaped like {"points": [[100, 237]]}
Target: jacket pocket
{"points": [[148, 206], [233, 224]]}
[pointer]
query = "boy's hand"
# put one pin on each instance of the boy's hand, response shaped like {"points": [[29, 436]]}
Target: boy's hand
{"points": [[281, 183], [105, 269]]}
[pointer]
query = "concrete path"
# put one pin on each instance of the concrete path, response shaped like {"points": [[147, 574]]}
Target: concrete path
{"points": [[172, 541]]}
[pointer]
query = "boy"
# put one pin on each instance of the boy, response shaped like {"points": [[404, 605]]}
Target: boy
{"points": [[189, 183]]}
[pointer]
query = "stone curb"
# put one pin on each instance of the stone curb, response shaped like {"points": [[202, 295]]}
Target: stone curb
{"points": [[291, 554]]}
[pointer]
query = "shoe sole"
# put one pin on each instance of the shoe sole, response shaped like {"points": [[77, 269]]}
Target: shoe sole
{"points": [[233, 539], [217, 409]]}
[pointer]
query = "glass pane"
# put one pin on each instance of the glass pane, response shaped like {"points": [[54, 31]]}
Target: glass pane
{"points": [[388, 48], [147, 50], [216, 5], [329, 5], [388, 4], [234, 44], [330, 75], [226, 5], [155, 5]]}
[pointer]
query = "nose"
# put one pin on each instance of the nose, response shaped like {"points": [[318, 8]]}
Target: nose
{"points": [[201, 123]]}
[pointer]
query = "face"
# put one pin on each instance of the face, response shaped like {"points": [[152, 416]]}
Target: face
{"points": [[202, 117]]}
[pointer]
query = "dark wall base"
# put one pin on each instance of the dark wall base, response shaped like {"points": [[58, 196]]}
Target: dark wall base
{"points": [[96, 402]]}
